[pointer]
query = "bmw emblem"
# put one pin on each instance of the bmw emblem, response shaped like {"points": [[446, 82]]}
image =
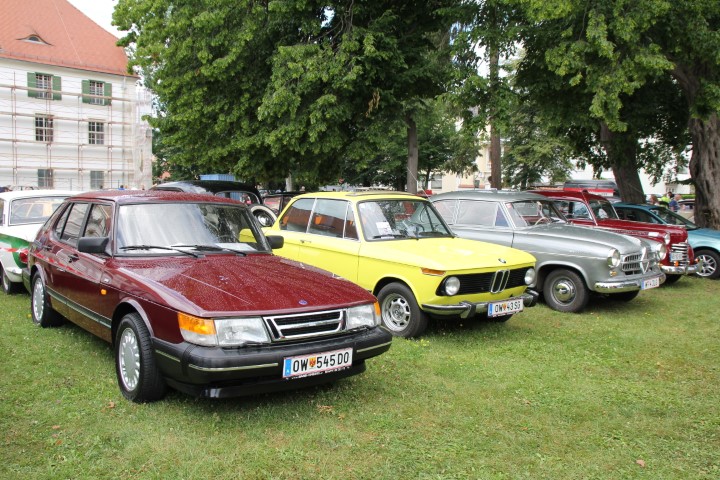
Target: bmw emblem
{"points": [[303, 302], [502, 260]]}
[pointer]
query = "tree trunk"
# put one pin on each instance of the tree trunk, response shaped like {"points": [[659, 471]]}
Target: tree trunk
{"points": [[621, 149], [412, 162], [705, 170], [495, 146]]}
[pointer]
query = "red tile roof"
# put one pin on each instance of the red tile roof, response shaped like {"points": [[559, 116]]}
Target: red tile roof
{"points": [[70, 38]]}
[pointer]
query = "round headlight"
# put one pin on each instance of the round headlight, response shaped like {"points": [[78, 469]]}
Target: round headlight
{"points": [[530, 276], [452, 286], [661, 251], [613, 259], [666, 237]]}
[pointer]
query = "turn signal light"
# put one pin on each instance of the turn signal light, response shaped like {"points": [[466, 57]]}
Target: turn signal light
{"points": [[202, 326]]}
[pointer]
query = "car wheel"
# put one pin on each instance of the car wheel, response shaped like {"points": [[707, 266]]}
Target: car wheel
{"points": [[264, 215], [710, 260], [670, 279], [625, 296], [400, 312], [9, 287], [42, 312], [138, 376], [565, 291]]}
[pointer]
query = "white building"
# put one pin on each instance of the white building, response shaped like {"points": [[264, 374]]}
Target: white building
{"points": [[70, 114]]}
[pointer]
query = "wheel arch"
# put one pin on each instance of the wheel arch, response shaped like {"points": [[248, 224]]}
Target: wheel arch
{"points": [[123, 308], [546, 269]]}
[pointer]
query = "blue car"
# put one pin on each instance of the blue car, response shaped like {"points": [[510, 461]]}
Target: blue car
{"points": [[704, 241]]}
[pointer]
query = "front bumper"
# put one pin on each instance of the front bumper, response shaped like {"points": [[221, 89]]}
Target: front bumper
{"points": [[469, 309], [626, 285], [682, 269], [229, 372]]}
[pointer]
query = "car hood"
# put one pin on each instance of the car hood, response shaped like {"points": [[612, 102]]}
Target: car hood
{"points": [[227, 284], [706, 234], [579, 238], [629, 227], [447, 254]]}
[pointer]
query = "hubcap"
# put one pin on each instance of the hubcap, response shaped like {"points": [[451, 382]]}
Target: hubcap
{"points": [[38, 300], [129, 359], [564, 290], [709, 266], [396, 312]]}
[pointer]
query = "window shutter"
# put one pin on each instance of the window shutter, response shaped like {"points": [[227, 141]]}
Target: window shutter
{"points": [[32, 83], [107, 93], [85, 91], [57, 87]]}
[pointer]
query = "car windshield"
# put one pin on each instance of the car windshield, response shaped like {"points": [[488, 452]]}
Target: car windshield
{"points": [[24, 211], [603, 209], [206, 227], [527, 213], [392, 219], [672, 218]]}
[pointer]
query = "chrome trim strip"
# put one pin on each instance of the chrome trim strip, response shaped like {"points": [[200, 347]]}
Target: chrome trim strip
{"points": [[233, 369], [373, 347]]}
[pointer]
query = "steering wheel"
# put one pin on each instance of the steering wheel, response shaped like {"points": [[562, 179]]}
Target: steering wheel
{"points": [[543, 220]]}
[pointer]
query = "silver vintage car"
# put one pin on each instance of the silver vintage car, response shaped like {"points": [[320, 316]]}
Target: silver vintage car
{"points": [[572, 261]]}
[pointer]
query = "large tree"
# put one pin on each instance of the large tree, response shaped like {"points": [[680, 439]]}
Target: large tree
{"points": [[271, 88], [611, 50]]}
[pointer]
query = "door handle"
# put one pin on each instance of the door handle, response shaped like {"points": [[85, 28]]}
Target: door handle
{"points": [[72, 258]]}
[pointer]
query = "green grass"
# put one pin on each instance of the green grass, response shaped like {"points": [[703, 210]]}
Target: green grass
{"points": [[620, 391]]}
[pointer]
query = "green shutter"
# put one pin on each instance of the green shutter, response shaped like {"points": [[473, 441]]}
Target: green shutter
{"points": [[85, 91], [32, 83], [108, 93], [57, 87]]}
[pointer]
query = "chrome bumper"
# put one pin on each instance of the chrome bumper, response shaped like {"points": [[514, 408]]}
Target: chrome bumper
{"points": [[682, 269], [469, 309], [625, 285]]}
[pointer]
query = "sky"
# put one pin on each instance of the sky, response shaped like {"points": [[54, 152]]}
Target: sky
{"points": [[100, 11]]}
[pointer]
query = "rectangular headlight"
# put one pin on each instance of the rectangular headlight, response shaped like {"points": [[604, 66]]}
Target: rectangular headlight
{"points": [[363, 316], [233, 332]]}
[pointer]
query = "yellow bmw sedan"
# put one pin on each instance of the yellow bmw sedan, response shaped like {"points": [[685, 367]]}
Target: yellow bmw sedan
{"points": [[396, 246]]}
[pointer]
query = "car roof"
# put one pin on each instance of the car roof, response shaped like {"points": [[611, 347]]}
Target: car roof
{"points": [[152, 196], [494, 195], [557, 193], [361, 195], [15, 194], [213, 186]]}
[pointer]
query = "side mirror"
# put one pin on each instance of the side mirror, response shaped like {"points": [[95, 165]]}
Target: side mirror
{"points": [[276, 241], [93, 244]]}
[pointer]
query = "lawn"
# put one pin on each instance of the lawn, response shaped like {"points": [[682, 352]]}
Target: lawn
{"points": [[624, 390]]}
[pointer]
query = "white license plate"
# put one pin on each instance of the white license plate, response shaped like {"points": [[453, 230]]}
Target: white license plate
{"points": [[316, 363], [677, 256], [508, 307], [651, 283]]}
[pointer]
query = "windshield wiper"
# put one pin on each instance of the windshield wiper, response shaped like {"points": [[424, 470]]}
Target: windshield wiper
{"points": [[211, 248], [159, 247], [391, 235]]}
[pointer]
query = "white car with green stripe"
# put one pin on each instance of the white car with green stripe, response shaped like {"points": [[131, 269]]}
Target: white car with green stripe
{"points": [[23, 213]]}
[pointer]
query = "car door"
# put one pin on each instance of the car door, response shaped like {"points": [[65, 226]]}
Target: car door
{"points": [[294, 226], [331, 242]]}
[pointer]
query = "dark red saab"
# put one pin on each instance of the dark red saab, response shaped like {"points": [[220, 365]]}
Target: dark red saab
{"points": [[187, 290]]}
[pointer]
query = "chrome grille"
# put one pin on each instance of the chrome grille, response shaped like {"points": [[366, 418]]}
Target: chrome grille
{"points": [[490, 281], [680, 252], [636, 263], [305, 325]]}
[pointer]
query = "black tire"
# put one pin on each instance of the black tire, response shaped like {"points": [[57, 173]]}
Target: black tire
{"points": [[40, 309], [565, 291], [138, 376], [400, 312], [264, 215], [711, 262], [8, 286], [625, 296], [670, 279]]}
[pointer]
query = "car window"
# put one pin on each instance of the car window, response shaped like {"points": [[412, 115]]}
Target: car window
{"points": [[533, 212], [24, 211], [392, 219], [603, 209], [2, 212], [272, 203], [577, 210], [487, 214], [98, 224], [296, 218], [328, 218], [446, 209], [245, 197], [187, 225], [73, 223]]}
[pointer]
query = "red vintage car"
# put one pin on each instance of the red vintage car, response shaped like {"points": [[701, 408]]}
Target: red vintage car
{"points": [[584, 208], [186, 288]]}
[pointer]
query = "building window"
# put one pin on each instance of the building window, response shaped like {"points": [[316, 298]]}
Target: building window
{"points": [[43, 85], [97, 180], [96, 133], [436, 182], [43, 128], [96, 93], [45, 178]]}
